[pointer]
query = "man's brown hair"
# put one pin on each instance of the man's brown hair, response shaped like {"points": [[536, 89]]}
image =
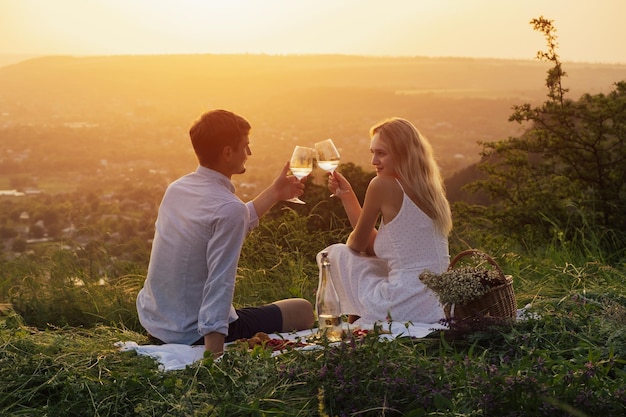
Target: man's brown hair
{"points": [[215, 130]]}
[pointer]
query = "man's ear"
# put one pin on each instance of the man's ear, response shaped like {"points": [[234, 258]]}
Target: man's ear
{"points": [[227, 153]]}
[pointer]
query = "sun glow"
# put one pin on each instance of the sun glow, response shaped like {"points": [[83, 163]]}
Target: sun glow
{"points": [[480, 28]]}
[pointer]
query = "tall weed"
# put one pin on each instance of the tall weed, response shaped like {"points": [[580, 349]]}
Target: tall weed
{"points": [[568, 357]]}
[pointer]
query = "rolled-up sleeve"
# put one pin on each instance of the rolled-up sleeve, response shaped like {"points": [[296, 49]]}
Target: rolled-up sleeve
{"points": [[254, 217], [231, 224]]}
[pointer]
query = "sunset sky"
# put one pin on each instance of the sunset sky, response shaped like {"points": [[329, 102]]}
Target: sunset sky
{"points": [[588, 31]]}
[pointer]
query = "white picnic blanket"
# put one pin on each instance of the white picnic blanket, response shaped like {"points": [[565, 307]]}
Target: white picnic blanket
{"points": [[171, 356], [174, 356]]}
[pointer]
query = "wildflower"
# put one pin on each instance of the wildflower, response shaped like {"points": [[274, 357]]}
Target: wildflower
{"points": [[590, 370]]}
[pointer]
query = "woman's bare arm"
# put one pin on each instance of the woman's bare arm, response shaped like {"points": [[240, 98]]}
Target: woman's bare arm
{"points": [[362, 237]]}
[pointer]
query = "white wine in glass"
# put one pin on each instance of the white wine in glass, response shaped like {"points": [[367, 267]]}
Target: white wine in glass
{"points": [[301, 165], [328, 157]]}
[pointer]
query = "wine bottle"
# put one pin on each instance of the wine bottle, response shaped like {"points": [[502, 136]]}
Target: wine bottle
{"points": [[327, 304]]}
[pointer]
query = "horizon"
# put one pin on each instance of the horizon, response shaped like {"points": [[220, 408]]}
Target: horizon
{"points": [[483, 29], [7, 59]]}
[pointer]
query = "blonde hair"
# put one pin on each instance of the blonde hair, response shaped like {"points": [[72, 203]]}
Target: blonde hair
{"points": [[416, 169]]}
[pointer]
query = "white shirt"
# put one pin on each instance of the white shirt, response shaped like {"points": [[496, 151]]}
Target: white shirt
{"points": [[190, 284]]}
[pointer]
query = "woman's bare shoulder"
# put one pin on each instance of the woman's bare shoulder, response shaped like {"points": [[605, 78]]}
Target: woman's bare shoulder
{"points": [[386, 191], [384, 181], [384, 185]]}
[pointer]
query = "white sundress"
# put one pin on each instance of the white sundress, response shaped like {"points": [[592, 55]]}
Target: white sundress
{"points": [[387, 286]]}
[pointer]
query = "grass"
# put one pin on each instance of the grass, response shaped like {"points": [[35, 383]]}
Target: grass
{"points": [[567, 359]]}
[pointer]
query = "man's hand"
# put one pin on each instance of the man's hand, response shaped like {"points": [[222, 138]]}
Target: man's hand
{"points": [[214, 343], [284, 187]]}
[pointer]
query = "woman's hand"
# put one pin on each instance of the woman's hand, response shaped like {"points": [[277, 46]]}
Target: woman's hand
{"points": [[338, 184]]}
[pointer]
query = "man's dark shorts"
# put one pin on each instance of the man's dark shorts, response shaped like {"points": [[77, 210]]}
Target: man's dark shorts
{"points": [[267, 319]]}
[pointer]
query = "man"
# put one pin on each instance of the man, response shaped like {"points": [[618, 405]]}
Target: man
{"points": [[200, 228]]}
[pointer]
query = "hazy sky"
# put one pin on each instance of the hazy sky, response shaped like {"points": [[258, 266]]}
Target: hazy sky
{"points": [[588, 31]]}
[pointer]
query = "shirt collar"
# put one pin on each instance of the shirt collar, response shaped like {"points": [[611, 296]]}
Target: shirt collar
{"points": [[216, 177]]}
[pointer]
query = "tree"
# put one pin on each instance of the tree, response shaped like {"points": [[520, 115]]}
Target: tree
{"points": [[19, 245], [568, 169], [37, 231], [7, 232]]}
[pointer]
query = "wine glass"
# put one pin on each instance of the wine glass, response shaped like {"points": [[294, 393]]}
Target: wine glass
{"points": [[301, 165], [328, 158]]}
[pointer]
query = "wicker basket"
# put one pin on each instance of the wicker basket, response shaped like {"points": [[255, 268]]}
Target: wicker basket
{"points": [[498, 302]]}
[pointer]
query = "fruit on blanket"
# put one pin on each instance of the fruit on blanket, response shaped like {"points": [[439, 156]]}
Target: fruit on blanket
{"points": [[253, 341], [263, 337], [264, 340], [360, 332]]}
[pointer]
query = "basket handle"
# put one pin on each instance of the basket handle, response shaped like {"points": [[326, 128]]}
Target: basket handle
{"points": [[483, 255]]}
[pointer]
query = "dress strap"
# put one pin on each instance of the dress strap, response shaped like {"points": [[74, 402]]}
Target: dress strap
{"points": [[398, 181]]}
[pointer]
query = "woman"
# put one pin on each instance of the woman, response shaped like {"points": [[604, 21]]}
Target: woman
{"points": [[376, 273]]}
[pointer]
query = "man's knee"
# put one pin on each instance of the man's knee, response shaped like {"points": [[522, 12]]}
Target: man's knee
{"points": [[297, 314]]}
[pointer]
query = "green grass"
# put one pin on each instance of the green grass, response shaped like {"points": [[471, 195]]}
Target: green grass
{"points": [[568, 359]]}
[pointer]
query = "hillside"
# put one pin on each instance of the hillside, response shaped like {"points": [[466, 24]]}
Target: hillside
{"points": [[66, 114]]}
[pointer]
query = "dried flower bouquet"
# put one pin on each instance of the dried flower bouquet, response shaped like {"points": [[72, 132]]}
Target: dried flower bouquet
{"points": [[478, 287], [462, 285]]}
